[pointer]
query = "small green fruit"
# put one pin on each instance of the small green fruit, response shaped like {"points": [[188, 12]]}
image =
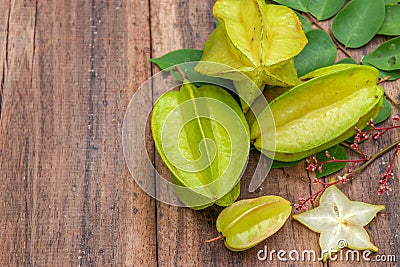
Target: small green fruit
{"points": [[248, 222]]}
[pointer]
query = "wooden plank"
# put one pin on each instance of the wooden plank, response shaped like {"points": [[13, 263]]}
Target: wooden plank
{"points": [[139, 228], [17, 150], [67, 197], [4, 24]]}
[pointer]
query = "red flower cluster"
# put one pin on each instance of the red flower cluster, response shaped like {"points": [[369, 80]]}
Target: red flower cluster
{"points": [[361, 136]]}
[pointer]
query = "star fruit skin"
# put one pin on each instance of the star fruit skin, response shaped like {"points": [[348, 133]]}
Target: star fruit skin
{"points": [[335, 89], [218, 181], [248, 222], [254, 39], [338, 219], [271, 93]]}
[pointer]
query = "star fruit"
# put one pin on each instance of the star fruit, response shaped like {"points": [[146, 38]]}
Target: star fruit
{"points": [[319, 113], [255, 39], [248, 222], [203, 138], [340, 222], [273, 92]]}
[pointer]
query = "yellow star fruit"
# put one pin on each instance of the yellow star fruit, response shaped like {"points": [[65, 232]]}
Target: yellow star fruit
{"points": [[257, 39]]}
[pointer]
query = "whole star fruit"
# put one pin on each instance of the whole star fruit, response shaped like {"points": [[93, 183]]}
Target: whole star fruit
{"points": [[318, 113], [248, 222], [257, 39], [258, 105], [203, 138], [272, 92]]}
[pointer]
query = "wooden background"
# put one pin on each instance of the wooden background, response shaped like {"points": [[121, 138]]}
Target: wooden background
{"points": [[68, 70]]}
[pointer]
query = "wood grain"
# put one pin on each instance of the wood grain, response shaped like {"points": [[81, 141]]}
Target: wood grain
{"points": [[67, 198], [68, 70]]}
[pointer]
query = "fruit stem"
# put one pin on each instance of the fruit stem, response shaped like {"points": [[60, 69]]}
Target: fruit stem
{"points": [[181, 72], [384, 79], [219, 237], [337, 44]]}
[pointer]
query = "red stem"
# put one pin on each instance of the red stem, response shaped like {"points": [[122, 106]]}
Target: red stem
{"points": [[316, 194], [384, 79], [344, 160], [383, 128], [396, 152], [214, 239]]}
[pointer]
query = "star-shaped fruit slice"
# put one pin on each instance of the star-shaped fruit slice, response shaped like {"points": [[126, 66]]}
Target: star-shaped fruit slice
{"points": [[340, 222]]}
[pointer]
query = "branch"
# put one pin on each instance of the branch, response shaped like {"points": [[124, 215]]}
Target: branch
{"points": [[181, 72], [393, 101], [374, 157], [349, 147], [337, 44]]}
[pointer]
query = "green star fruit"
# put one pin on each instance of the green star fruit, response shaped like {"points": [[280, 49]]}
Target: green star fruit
{"points": [[319, 113], [203, 138], [256, 39], [250, 221]]}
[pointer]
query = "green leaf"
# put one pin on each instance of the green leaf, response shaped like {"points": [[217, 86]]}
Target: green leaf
{"points": [[307, 26], [187, 59], [347, 60], [319, 52], [386, 56], [276, 164], [391, 23], [358, 22], [336, 152], [394, 74], [324, 9], [177, 57], [300, 5], [391, 1], [385, 112], [321, 9]]}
